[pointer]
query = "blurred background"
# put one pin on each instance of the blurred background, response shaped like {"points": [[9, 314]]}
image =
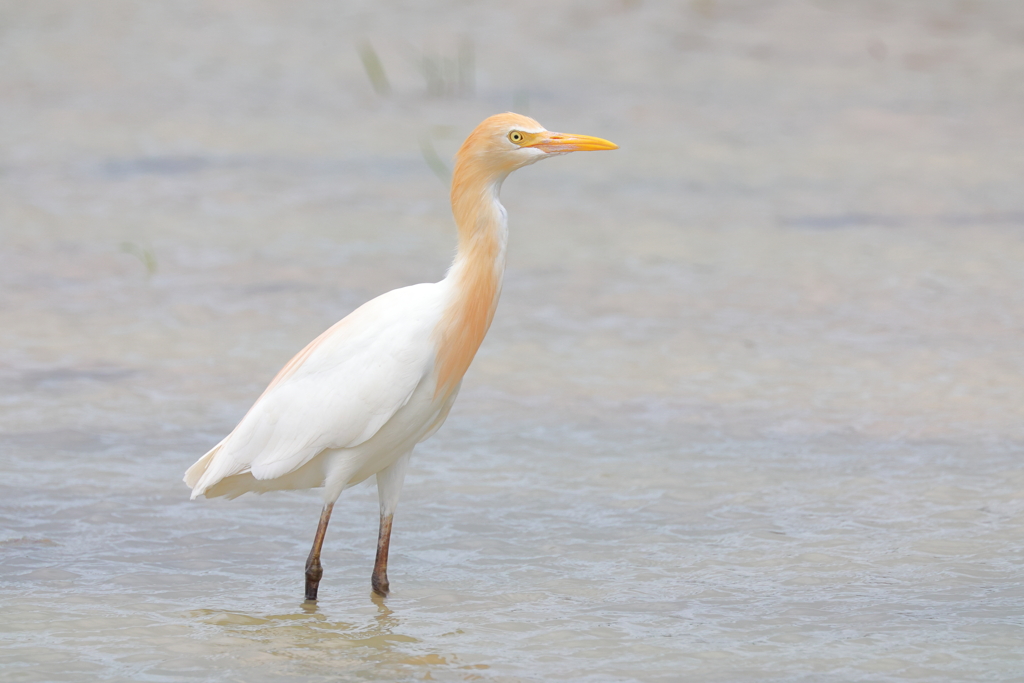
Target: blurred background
{"points": [[751, 407]]}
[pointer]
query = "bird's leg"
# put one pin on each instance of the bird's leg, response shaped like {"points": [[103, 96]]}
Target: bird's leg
{"points": [[389, 486], [380, 566], [314, 572]]}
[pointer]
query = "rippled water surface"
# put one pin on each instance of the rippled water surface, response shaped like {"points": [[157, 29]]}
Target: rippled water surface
{"points": [[752, 408]]}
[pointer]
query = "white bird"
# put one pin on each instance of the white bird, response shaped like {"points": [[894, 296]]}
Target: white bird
{"points": [[359, 397]]}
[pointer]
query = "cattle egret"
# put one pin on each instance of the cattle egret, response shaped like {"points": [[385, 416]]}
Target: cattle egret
{"points": [[359, 397]]}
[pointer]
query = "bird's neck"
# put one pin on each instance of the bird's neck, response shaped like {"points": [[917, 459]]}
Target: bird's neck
{"points": [[476, 274]]}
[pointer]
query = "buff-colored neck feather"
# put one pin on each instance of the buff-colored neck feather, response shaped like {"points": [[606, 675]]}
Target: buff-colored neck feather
{"points": [[479, 264]]}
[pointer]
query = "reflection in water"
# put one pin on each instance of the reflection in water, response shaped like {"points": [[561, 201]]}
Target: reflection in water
{"points": [[385, 620], [313, 642]]}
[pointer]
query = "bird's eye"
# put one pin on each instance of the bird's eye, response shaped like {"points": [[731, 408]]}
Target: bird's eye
{"points": [[516, 137]]}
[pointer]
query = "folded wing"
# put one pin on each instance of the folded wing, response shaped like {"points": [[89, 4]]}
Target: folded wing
{"points": [[335, 393]]}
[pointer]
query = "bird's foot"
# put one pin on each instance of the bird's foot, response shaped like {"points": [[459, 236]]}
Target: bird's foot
{"points": [[314, 572], [380, 585]]}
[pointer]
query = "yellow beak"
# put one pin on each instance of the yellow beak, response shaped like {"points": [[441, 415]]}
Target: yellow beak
{"points": [[565, 142]]}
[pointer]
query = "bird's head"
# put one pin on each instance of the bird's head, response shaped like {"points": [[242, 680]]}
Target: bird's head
{"points": [[505, 142]]}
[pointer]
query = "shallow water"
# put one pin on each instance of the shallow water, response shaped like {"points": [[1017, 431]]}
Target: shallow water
{"points": [[751, 408]]}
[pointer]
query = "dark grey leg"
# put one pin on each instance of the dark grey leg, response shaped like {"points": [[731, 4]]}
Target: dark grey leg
{"points": [[380, 566], [314, 572]]}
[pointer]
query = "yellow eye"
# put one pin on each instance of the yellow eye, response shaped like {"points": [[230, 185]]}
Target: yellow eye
{"points": [[516, 137]]}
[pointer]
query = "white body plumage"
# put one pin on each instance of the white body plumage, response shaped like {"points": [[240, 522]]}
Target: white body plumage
{"points": [[351, 404]]}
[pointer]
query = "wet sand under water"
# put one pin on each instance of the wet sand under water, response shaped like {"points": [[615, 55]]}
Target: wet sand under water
{"points": [[751, 408]]}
